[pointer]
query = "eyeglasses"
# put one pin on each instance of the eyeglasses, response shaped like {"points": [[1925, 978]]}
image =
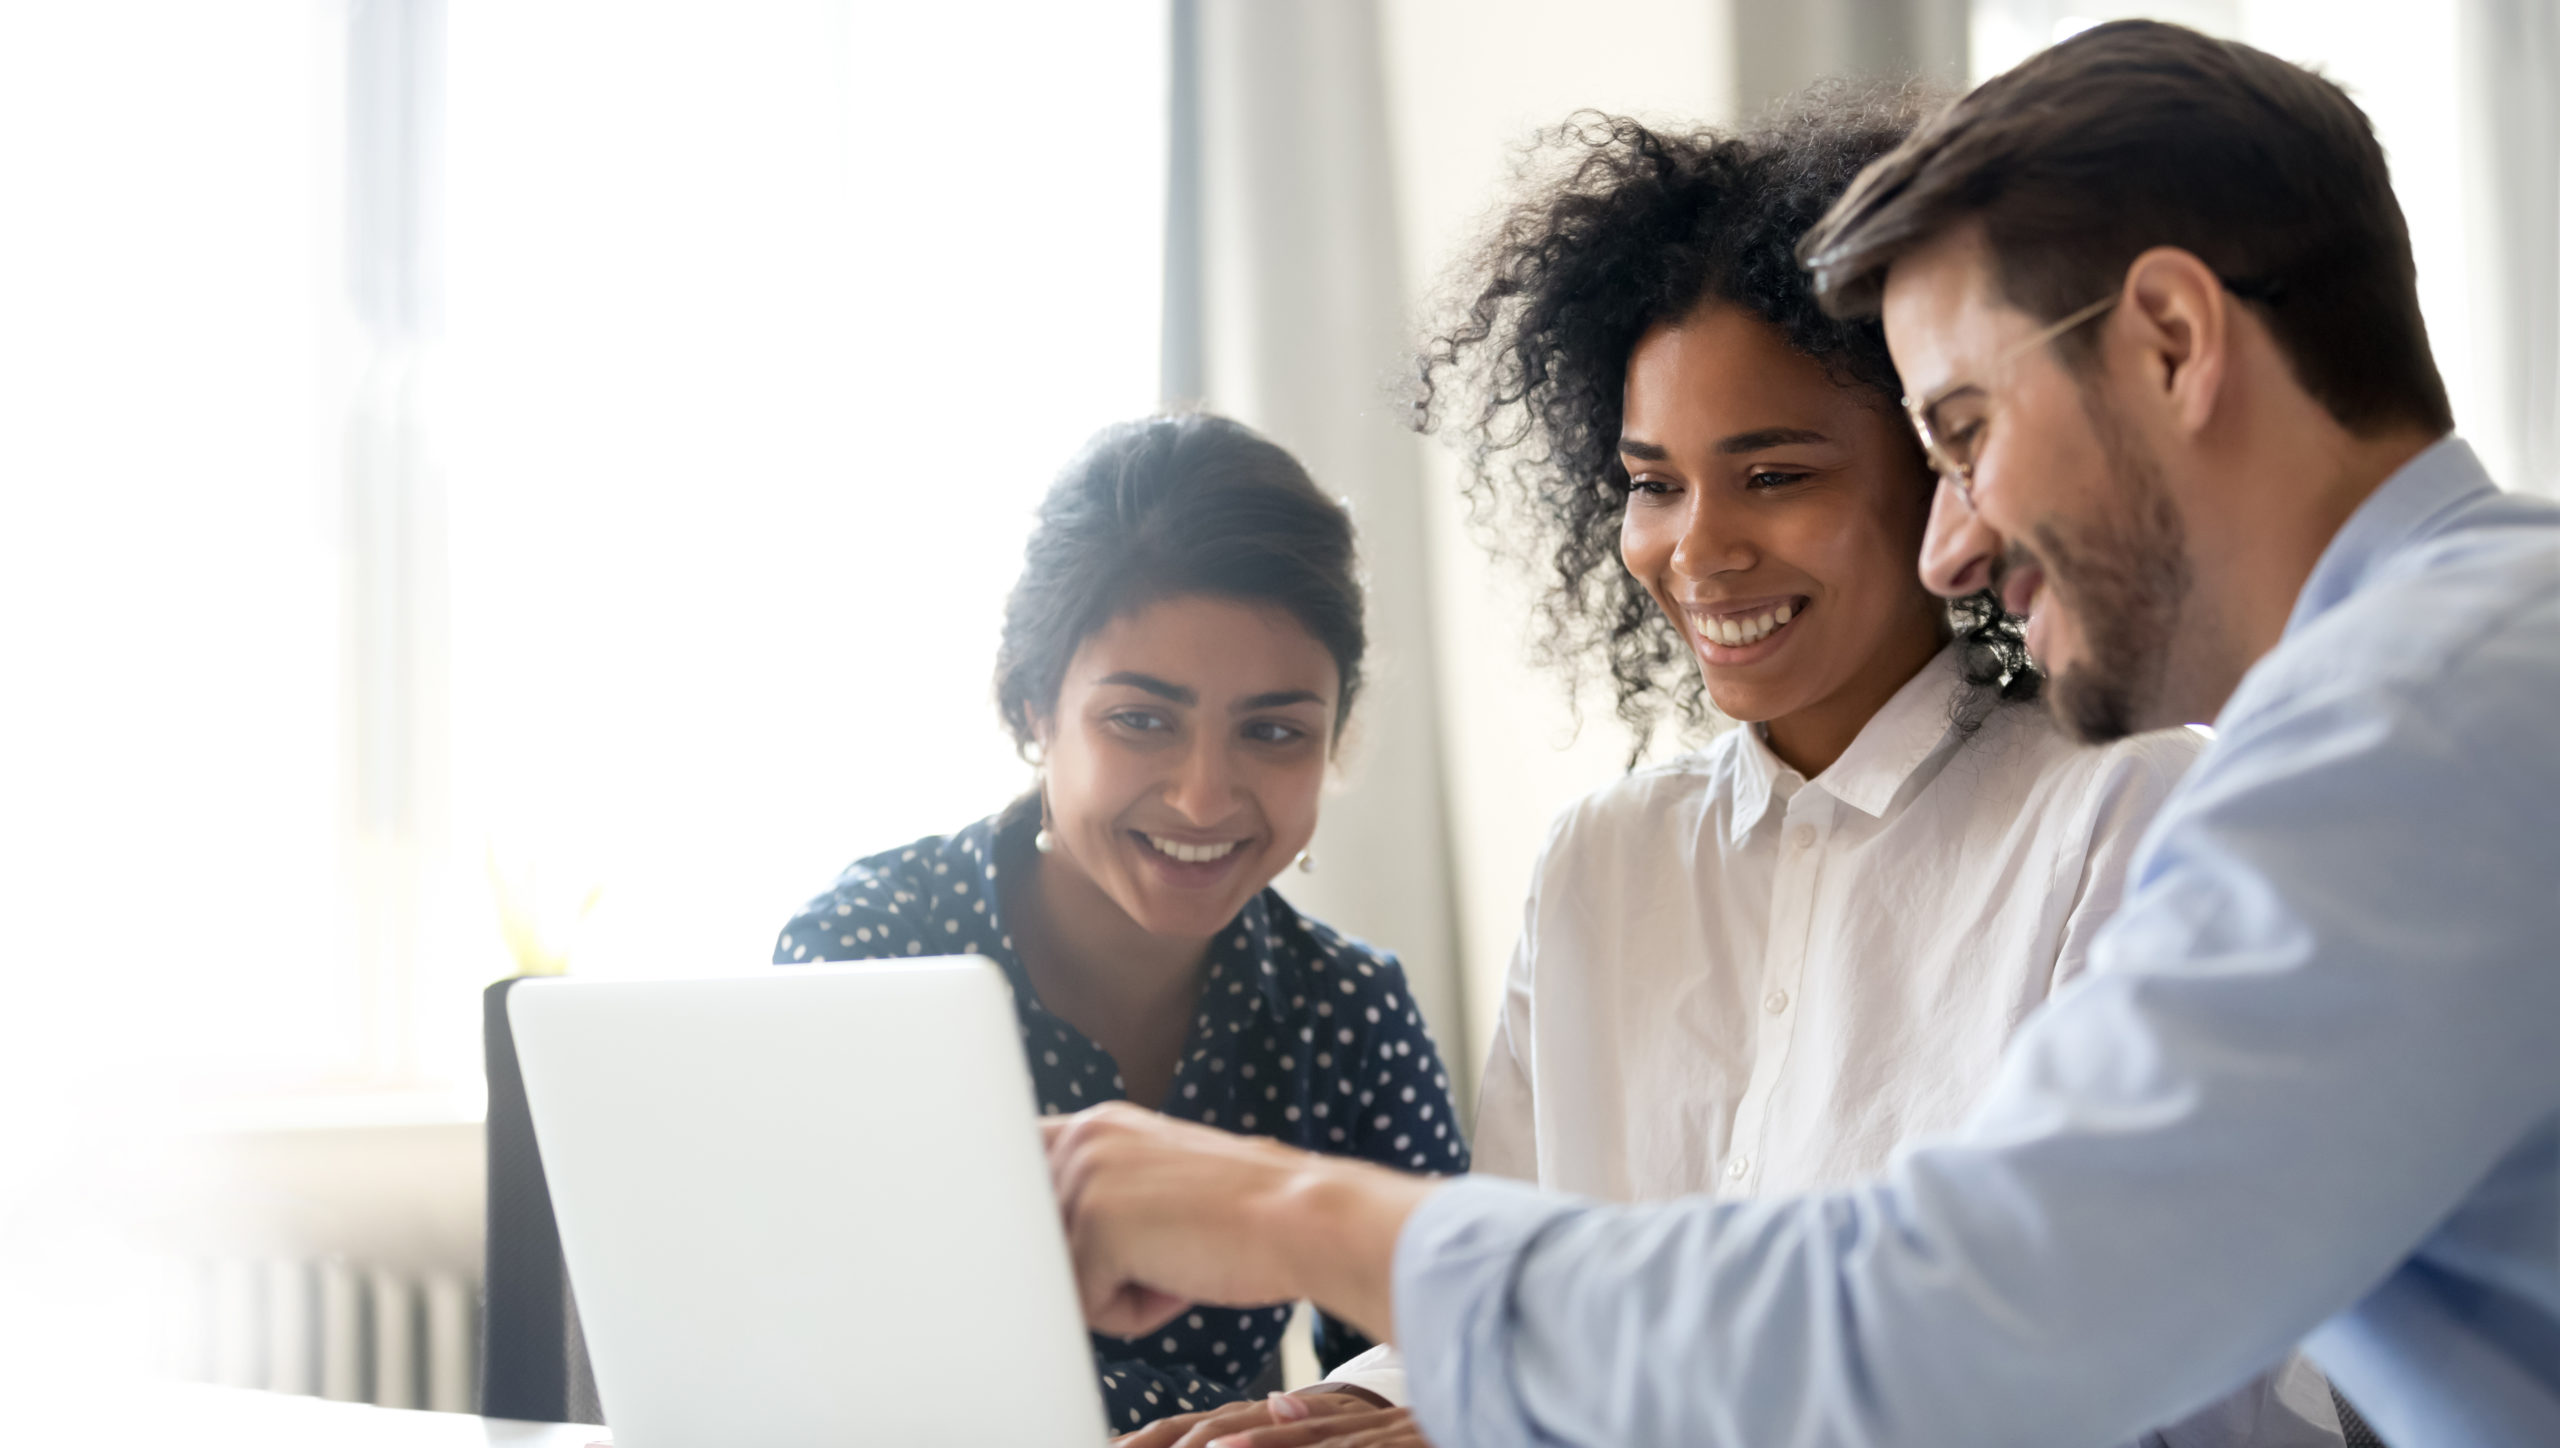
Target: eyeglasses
{"points": [[1951, 456]]}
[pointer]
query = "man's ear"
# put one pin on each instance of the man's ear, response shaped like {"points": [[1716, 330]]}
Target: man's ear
{"points": [[2180, 318]]}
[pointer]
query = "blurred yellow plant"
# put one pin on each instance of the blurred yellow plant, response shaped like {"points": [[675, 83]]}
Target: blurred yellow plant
{"points": [[521, 921]]}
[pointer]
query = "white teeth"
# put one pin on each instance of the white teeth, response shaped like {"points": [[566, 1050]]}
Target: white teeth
{"points": [[1742, 632], [1193, 854]]}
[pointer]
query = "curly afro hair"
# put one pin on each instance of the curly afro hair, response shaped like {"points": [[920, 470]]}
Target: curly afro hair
{"points": [[1627, 226]]}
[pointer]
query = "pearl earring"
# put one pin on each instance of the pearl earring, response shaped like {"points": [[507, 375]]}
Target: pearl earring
{"points": [[1045, 842], [1306, 862]]}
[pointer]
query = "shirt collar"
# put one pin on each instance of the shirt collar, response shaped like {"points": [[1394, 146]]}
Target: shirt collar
{"points": [[2404, 510], [1872, 770], [1245, 950], [1756, 768], [1907, 730]]}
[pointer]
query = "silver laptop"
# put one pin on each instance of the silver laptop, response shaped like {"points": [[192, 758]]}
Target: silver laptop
{"points": [[808, 1208]]}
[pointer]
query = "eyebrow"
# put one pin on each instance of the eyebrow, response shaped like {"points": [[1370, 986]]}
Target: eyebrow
{"points": [[1756, 440], [1276, 699], [1153, 685], [1769, 437]]}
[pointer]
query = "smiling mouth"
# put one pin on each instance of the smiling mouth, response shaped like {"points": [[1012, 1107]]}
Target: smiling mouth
{"points": [[1742, 630], [1188, 854]]}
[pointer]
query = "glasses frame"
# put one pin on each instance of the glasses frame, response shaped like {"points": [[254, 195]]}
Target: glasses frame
{"points": [[1940, 460]]}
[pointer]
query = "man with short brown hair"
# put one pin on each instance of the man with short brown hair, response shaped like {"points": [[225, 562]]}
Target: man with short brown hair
{"points": [[2154, 302]]}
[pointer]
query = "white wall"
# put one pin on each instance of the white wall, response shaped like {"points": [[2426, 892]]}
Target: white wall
{"points": [[1467, 82]]}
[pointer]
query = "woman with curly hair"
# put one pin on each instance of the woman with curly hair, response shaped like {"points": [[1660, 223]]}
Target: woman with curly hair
{"points": [[1760, 966]]}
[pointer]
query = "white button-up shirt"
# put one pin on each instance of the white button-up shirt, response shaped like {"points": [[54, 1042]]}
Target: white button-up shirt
{"points": [[1734, 981]]}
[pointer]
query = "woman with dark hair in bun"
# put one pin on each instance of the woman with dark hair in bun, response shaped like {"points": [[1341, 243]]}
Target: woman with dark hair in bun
{"points": [[1757, 967], [1180, 655]]}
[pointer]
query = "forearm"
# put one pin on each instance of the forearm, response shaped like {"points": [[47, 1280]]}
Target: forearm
{"points": [[1332, 1227], [1161, 1214]]}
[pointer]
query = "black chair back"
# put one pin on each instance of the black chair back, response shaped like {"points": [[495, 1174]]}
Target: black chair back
{"points": [[533, 1358]]}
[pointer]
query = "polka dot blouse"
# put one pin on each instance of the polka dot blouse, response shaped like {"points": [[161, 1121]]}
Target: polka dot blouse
{"points": [[1301, 1035]]}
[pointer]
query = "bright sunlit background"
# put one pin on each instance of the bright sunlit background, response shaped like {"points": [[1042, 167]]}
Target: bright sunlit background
{"points": [[486, 490], [767, 326], [527, 485], [600, 517]]}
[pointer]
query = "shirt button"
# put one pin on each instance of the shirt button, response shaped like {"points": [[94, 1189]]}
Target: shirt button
{"points": [[1738, 1167], [1776, 1002], [1804, 837]]}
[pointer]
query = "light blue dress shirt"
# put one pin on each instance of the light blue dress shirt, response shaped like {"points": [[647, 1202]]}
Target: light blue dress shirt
{"points": [[2309, 1092]]}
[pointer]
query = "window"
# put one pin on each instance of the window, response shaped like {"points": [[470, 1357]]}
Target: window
{"points": [[575, 456], [768, 325], [173, 360]]}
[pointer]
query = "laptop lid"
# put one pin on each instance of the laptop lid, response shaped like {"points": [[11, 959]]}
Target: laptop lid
{"points": [[808, 1207]]}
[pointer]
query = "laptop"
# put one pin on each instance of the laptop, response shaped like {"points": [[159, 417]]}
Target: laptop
{"points": [[808, 1207]]}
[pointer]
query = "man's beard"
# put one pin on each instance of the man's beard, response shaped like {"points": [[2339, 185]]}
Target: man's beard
{"points": [[2127, 580]]}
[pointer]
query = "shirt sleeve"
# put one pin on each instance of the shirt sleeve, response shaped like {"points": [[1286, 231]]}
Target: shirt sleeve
{"points": [[1506, 1141], [867, 915], [2318, 1027], [1379, 1370], [1136, 1392], [2127, 794]]}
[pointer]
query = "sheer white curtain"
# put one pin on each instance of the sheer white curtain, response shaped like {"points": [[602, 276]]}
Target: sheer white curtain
{"points": [[173, 360], [172, 344], [2510, 58]]}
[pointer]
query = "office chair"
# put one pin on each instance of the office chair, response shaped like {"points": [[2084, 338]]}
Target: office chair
{"points": [[533, 1357]]}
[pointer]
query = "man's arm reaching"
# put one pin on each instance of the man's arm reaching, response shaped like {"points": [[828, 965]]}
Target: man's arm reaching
{"points": [[1161, 1214]]}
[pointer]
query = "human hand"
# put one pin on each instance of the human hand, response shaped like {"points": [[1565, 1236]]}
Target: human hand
{"points": [[1152, 1211], [1163, 1213], [1322, 1403], [1378, 1428]]}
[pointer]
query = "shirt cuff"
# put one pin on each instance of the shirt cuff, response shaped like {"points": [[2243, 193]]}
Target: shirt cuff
{"points": [[1455, 1265], [1380, 1370]]}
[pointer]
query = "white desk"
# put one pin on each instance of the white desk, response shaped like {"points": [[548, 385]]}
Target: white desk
{"points": [[181, 1415]]}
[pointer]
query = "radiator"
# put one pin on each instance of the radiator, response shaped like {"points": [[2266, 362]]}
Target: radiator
{"points": [[329, 1329]]}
